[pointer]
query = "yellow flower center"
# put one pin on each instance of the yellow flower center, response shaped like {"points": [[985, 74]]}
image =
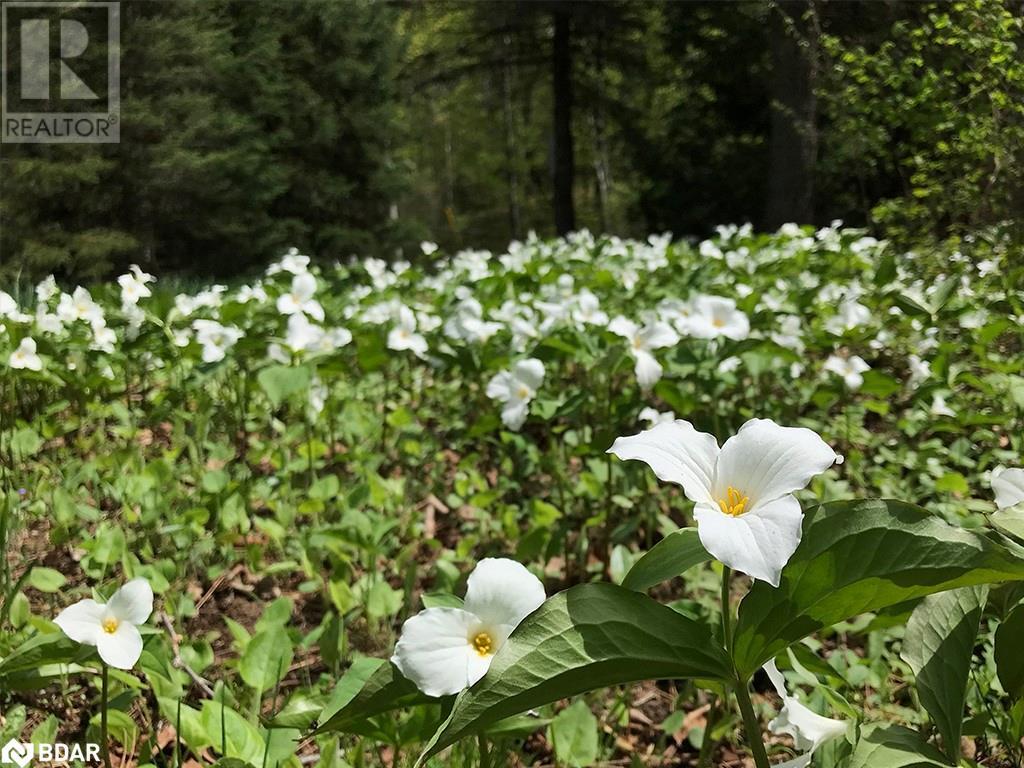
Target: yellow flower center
{"points": [[110, 625], [734, 503], [718, 322], [524, 392], [483, 644]]}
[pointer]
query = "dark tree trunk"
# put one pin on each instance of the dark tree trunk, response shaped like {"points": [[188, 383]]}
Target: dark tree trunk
{"points": [[561, 60], [794, 135], [511, 145]]}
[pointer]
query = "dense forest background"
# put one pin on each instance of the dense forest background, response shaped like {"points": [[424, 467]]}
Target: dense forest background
{"points": [[364, 127]]}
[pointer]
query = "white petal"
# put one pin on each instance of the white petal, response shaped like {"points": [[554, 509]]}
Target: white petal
{"points": [[287, 305], [677, 453], [81, 621], [657, 335], [502, 591], [648, 370], [1008, 485], [122, 647], [313, 309], [765, 461], [620, 326], [808, 729], [758, 543], [530, 372], [434, 649], [303, 287], [514, 414], [476, 667], [500, 386], [133, 602]]}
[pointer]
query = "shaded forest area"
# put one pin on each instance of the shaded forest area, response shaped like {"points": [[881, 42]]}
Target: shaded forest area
{"points": [[362, 128]]}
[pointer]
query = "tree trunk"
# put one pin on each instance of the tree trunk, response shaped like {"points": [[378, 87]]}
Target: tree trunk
{"points": [[511, 146], [561, 86], [793, 147]]}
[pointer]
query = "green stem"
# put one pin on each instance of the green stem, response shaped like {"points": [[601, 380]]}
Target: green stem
{"points": [[726, 608], [485, 752], [104, 742], [751, 726], [707, 743]]}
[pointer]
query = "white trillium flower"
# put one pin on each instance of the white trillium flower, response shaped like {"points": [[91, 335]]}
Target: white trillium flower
{"points": [[515, 389], [113, 627], [919, 369], [1008, 485], [808, 729], [215, 339], [133, 288], [25, 357], [714, 316], [653, 417], [849, 369], [300, 298], [747, 516], [293, 262], [643, 339], [940, 408], [404, 336], [849, 315], [444, 650]]}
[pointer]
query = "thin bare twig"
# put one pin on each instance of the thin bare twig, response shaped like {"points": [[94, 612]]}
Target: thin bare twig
{"points": [[180, 663]]}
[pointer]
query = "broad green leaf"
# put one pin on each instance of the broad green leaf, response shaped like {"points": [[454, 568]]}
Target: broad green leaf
{"points": [[228, 730], [187, 722], [670, 557], [1008, 656], [42, 649], [860, 556], [893, 746], [266, 659], [371, 686], [281, 381], [46, 579], [1010, 520], [938, 645], [574, 735], [587, 637], [300, 712]]}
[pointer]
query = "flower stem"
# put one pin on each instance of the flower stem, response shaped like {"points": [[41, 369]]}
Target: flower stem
{"points": [[726, 608], [751, 726], [104, 741], [485, 752]]}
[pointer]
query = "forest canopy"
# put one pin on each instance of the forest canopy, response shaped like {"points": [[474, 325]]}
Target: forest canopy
{"points": [[361, 128]]}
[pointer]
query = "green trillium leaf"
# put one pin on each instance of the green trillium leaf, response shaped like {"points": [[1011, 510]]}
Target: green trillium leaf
{"points": [[893, 746], [670, 557], [861, 556], [587, 637], [938, 645], [370, 687], [1008, 656]]}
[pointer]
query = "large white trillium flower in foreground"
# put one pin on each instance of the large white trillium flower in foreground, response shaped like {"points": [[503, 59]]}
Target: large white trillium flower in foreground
{"points": [[113, 627], [515, 389], [808, 729], [444, 650], [746, 513], [1008, 485]]}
